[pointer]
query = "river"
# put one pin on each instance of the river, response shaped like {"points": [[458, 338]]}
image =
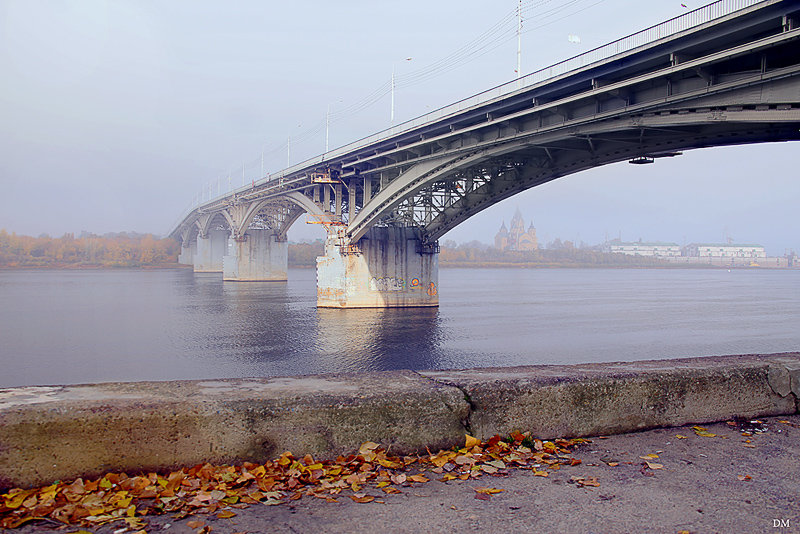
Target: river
{"points": [[70, 327]]}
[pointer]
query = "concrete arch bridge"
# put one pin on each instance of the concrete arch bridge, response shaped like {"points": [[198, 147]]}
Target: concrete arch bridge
{"points": [[724, 74]]}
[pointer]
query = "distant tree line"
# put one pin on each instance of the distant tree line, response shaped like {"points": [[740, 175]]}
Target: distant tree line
{"points": [[142, 250], [109, 250], [305, 254]]}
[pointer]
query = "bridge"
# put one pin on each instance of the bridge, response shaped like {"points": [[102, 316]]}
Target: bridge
{"points": [[724, 74]]}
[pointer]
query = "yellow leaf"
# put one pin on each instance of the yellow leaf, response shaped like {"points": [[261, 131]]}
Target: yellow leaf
{"points": [[225, 514], [489, 491], [389, 463], [471, 442], [541, 473], [679, 436], [418, 478], [383, 484], [705, 434], [258, 471], [333, 471], [649, 457], [16, 500], [653, 465]]}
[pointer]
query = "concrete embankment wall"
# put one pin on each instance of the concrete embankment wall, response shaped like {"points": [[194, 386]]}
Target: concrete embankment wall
{"points": [[49, 433]]}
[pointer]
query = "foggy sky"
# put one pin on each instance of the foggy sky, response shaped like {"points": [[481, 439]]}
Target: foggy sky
{"points": [[114, 114]]}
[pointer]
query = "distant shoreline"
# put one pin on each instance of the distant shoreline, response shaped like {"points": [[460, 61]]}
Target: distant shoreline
{"points": [[442, 265]]}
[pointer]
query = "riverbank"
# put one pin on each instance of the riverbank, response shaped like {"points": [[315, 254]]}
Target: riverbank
{"points": [[53, 432]]}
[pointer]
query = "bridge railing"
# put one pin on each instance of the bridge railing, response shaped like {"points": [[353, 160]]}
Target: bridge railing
{"points": [[683, 22]]}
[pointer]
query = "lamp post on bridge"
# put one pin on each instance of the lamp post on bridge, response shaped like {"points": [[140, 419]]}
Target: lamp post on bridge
{"points": [[391, 119]]}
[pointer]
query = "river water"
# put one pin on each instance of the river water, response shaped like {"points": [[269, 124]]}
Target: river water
{"points": [[69, 327]]}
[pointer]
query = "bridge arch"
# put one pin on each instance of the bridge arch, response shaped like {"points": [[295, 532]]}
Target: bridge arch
{"points": [[471, 181]]}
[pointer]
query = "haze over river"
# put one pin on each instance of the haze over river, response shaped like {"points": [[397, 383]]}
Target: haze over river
{"points": [[71, 327]]}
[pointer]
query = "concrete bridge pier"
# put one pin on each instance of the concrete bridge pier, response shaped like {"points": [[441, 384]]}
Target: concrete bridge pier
{"points": [[188, 252], [209, 251], [387, 268], [259, 255]]}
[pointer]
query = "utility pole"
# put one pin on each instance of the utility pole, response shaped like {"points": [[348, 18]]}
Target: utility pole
{"points": [[328, 125], [391, 119], [519, 39]]}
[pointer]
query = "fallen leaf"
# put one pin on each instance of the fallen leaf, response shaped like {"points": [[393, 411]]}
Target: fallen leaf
{"points": [[195, 524], [488, 490], [744, 477], [649, 457], [367, 447], [418, 478], [653, 465], [680, 436], [362, 498], [471, 442], [225, 514]]}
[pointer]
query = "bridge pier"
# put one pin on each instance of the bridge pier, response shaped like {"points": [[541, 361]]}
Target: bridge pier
{"points": [[209, 251], [387, 268], [260, 256], [188, 252]]}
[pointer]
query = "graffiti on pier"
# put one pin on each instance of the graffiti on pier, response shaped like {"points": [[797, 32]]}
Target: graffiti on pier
{"points": [[432, 290], [388, 283], [415, 282]]}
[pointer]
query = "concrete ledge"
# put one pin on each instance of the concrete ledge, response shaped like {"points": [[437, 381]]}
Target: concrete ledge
{"points": [[50, 433], [594, 399]]}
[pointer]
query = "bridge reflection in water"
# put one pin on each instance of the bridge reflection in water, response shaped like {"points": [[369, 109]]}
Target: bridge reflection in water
{"points": [[724, 74]]}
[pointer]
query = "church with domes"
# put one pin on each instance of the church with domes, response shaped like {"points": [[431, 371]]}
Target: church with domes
{"points": [[515, 237]]}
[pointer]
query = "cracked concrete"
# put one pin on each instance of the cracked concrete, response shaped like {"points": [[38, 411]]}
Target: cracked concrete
{"points": [[52, 433]]}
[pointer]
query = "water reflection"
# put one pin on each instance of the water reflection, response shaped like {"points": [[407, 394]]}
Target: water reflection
{"points": [[377, 339]]}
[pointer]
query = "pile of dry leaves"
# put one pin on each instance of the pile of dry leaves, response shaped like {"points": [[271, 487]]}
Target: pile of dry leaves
{"points": [[220, 489]]}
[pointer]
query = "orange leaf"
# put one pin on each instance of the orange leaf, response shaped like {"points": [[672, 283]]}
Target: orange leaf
{"points": [[225, 514], [363, 498], [195, 524]]}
